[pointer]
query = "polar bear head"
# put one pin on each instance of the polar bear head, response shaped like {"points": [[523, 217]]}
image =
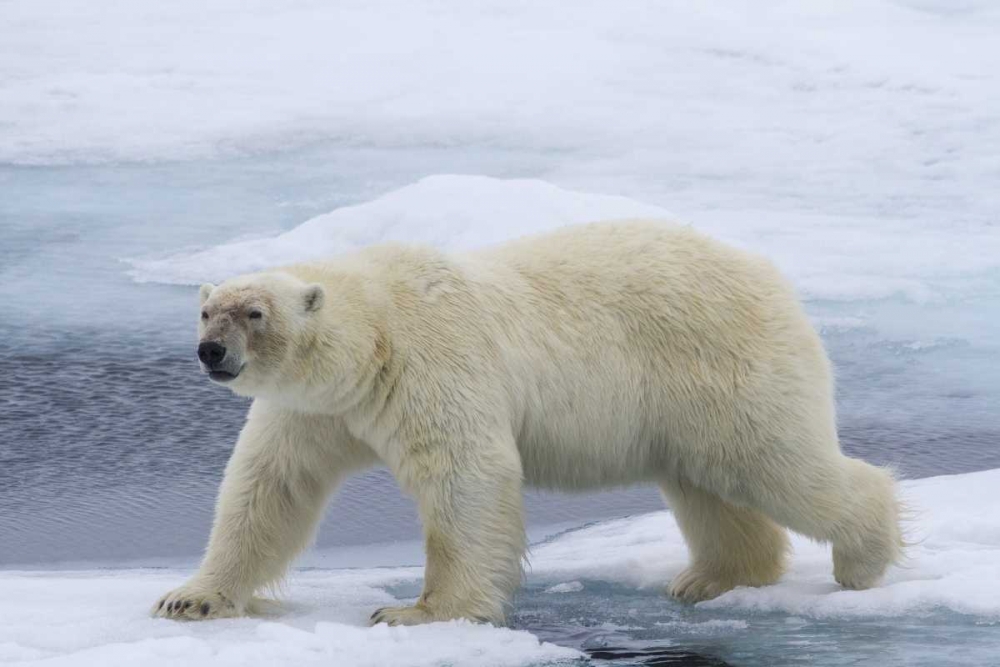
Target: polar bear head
{"points": [[252, 329]]}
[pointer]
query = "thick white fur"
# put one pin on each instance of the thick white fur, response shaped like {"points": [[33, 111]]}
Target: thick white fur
{"points": [[599, 355]]}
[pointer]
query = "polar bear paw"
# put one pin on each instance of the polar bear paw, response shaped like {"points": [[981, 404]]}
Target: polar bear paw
{"points": [[195, 603], [414, 615], [858, 573], [696, 584], [424, 613]]}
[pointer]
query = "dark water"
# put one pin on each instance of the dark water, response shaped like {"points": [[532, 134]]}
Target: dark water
{"points": [[113, 446]]}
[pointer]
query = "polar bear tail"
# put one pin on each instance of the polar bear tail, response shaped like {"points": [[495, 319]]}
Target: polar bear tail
{"points": [[871, 537]]}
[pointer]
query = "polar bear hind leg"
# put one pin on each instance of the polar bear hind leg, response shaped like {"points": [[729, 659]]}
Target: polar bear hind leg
{"points": [[848, 503], [729, 545], [816, 491]]}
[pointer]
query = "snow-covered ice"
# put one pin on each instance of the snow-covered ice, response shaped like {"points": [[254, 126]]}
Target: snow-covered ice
{"points": [[848, 102], [99, 617]]}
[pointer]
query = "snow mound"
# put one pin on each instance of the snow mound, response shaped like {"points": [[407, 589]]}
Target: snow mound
{"points": [[450, 212]]}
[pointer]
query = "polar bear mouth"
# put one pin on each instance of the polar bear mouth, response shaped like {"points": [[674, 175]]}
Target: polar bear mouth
{"points": [[223, 376]]}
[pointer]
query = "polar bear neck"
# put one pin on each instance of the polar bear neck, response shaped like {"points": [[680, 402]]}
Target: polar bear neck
{"points": [[335, 364]]}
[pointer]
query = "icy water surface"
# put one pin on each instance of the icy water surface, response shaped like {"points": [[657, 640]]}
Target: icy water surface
{"points": [[618, 625]]}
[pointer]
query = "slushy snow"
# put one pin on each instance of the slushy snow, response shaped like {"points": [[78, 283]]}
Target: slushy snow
{"points": [[100, 617]]}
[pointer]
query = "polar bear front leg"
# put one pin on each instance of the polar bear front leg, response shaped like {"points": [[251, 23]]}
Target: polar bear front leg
{"points": [[282, 470], [469, 497]]}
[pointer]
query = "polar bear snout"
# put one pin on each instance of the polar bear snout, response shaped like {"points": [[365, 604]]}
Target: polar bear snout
{"points": [[211, 353], [216, 360]]}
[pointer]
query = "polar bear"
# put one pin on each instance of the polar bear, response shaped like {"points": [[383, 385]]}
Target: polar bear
{"points": [[595, 356]]}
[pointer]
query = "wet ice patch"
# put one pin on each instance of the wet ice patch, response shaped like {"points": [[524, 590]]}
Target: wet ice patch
{"points": [[715, 626], [567, 587]]}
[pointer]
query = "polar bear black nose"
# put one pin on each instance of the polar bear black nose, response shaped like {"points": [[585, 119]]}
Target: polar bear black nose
{"points": [[211, 353]]}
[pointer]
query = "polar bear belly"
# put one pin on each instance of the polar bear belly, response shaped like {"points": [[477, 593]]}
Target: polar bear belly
{"points": [[592, 442]]}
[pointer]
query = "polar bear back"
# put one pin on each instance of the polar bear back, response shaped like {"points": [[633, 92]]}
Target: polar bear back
{"points": [[613, 352]]}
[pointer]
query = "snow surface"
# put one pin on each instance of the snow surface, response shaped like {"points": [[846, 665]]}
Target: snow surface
{"points": [[100, 617]]}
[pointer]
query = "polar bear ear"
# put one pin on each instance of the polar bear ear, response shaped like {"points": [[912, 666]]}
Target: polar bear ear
{"points": [[314, 297], [205, 291]]}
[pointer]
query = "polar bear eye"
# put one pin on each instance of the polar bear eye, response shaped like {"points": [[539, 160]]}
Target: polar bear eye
{"points": [[204, 314], [256, 314]]}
